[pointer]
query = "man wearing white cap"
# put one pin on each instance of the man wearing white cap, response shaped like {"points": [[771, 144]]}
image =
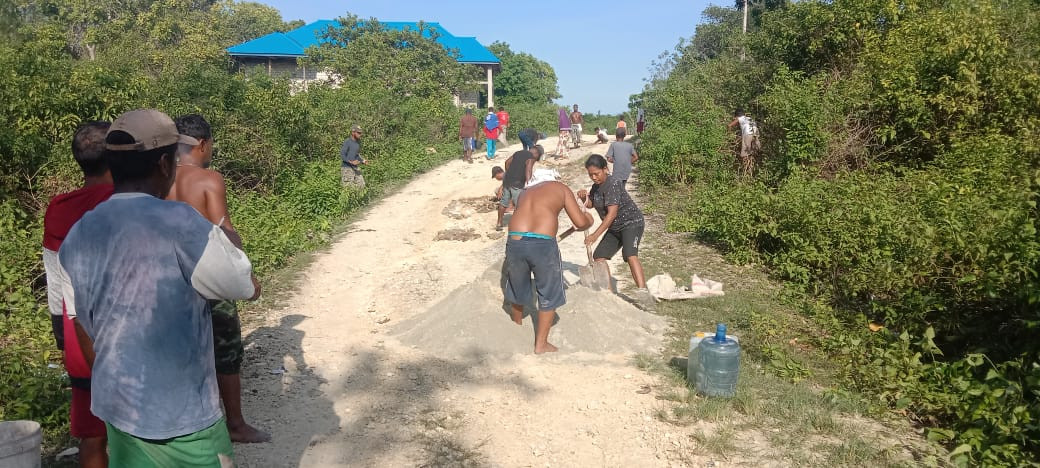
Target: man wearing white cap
{"points": [[531, 250], [139, 270]]}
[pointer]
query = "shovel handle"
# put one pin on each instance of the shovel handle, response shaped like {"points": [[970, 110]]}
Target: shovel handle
{"points": [[568, 232], [588, 248]]}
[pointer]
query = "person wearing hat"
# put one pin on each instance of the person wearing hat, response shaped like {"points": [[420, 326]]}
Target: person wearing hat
{"points": [[531, 249], [350, 155], [139, 270], [468, 134], [204, 189]]}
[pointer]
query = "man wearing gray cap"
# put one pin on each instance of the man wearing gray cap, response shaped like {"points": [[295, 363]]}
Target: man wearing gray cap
{"points": [[350, 155], [138, 272]]}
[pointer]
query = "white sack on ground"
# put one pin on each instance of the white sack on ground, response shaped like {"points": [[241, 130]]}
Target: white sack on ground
{"points": [[664, 287]]}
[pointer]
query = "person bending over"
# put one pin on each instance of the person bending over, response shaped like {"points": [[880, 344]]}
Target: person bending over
{"points": [[622, 222], [519, 168], [531, 249]]}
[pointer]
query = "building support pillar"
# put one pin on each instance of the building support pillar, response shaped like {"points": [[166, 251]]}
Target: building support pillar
{"points": [[490, 88]]}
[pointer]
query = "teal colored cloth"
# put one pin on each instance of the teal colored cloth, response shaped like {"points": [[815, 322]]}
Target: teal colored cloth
{"points": [[530, 234]]}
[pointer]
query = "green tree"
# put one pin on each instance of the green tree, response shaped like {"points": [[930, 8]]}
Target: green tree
{"points": [[405, 62], [244, 21], [523, 79]]}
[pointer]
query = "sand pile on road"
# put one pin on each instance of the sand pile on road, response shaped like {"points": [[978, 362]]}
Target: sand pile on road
{"points": [[473, 319]]}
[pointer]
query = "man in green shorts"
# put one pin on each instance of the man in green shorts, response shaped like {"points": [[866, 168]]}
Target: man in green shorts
{"points": [[531, 249]]}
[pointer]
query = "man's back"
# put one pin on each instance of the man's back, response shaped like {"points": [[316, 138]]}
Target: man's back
{"points": [[203, 189], [620, 153], [516, 175], [468, 126], [538, 209]]}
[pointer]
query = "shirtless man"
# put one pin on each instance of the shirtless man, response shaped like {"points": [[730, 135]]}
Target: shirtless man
{"points": [[577, 120], [531, 248], [204, 190]]}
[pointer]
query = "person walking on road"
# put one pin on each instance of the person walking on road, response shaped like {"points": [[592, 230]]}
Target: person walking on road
{"points": [[531, 248], [621, 123], [468, 135], [623, 156], [565, 132], [640, 121], [204, 190], [350, 156], [577, 120], [503, 125], [491, 132], [622, 222]]}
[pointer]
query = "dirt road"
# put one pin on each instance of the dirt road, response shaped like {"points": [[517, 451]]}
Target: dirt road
{"points": [[395, 350]]}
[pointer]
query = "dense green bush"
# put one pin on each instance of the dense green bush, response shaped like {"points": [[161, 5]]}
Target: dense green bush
{"points": [[36, 388], [899, 184], [541, 117]]}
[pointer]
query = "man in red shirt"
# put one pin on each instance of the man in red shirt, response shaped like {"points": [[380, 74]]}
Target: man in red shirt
{"points": [[503, 124], [88, 147]]}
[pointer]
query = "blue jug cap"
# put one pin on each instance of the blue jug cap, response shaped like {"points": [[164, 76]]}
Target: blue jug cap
{"points": [[720, 333]]}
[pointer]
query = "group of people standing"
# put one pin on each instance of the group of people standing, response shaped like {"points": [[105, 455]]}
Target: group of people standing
{"points": [[142, 266], [495, 128]]}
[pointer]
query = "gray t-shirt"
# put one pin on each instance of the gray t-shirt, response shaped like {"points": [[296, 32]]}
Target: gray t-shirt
{"points": [[621, 152], [139, 271], [612, 192], [350, 152]]}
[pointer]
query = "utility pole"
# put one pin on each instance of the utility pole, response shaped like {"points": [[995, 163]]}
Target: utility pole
{"points": [[744, 30], [745, 17]]}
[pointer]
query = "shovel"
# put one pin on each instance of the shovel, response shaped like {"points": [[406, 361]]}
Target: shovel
{"points": [[595, 275]]}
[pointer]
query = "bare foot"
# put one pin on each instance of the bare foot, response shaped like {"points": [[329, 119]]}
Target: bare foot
{"points": [[546, 348], [247, 434]]}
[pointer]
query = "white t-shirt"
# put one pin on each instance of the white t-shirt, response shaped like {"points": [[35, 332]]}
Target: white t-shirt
{"points": [[745, 125]]}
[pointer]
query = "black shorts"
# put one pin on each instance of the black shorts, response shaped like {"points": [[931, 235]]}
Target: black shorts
{"points": [[627, 240]]}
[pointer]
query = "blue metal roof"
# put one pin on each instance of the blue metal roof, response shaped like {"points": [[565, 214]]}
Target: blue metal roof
{"points": [[294, 43]]}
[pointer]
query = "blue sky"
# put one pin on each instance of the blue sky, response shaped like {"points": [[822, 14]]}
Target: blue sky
{"points": [[601, 50]]}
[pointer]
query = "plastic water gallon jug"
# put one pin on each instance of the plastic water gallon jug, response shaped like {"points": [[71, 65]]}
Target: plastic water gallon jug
{"points": [[718, 364]]}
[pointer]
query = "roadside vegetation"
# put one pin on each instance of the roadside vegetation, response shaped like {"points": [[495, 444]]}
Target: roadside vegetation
{"points": [[895, 196], [63, 63]]}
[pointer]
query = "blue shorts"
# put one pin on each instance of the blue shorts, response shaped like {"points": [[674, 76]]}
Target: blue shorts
{"points": [[541, 257], [468, 144]]}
